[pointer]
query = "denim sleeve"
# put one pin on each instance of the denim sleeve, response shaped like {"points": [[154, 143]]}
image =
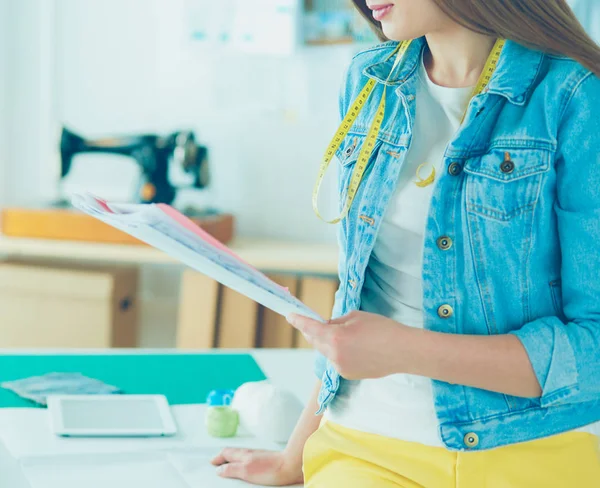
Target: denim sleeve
{"points": [[566, 356]]}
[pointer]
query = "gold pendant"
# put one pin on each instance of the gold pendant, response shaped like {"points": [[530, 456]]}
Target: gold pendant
{"points": [[422, 183]]}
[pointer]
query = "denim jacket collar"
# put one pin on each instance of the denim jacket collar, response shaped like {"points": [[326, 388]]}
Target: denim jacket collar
{"points": [[380, 71], [514, 78]]}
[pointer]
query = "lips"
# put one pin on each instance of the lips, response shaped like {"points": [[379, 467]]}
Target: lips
{"points": [[381, 11]]}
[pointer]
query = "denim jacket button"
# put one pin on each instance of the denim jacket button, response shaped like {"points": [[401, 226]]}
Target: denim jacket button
{"points": [[444, 243], [471, 440], [445, 311], [454, 169], [507, 166]]}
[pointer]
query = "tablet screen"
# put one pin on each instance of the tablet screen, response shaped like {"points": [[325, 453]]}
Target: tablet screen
{"points": [[106, 414]]}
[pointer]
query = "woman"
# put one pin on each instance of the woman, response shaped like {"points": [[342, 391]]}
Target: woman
{"points": [[470, 251]]}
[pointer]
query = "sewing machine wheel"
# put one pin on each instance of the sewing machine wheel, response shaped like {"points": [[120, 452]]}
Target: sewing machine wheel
{"points": [[192, 158], [204, 173]]}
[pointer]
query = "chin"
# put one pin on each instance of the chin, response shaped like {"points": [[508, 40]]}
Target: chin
{"points": [[395, 32]]}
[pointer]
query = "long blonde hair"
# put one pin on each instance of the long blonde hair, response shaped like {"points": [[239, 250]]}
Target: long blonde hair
{"points": [[546, 25]]}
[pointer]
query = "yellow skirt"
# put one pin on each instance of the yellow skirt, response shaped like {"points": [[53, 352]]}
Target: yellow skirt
{"points": [[337, 457]]}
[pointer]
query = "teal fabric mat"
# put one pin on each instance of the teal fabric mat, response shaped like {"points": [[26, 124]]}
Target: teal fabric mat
{"points": [[183, 378]]}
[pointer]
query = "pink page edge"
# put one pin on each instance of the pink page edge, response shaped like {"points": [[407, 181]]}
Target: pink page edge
{"points": [[191, 226]]}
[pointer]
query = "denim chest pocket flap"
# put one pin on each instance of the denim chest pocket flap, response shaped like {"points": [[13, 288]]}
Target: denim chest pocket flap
{"points": [[349, 151], [505, 182], [381, 155]]}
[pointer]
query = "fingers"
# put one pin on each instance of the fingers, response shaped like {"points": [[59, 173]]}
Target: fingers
{"points": [[218, 460], [232, 463], [230, 455], [309, 327], [347, 319], [233, 470], [298, 321]]}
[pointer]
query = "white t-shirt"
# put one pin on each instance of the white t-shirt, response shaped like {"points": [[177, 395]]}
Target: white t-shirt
{"points": [[402, 406]]}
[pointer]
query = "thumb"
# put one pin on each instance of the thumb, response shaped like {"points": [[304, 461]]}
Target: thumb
{"points": [[233, 470]]}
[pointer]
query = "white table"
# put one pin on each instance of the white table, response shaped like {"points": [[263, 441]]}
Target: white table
{"points": [[292, 257], [32, 457]]}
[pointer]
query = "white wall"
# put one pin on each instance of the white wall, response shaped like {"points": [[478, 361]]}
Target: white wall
{"points": [[127, 66], [109, 67], [4, 23], [30, 150], [588, 12]]}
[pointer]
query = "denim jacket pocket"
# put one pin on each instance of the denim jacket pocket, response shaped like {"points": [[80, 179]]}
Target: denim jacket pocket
{"points": [[351, 147], [505, 183], [348, 152], [348, 155]]}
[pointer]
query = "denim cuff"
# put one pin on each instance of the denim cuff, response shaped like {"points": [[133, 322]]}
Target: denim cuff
{"points": [[553, 359]]}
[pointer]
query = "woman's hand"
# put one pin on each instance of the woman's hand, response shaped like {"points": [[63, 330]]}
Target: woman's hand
{"points": [[258, 467], [360, 345]]}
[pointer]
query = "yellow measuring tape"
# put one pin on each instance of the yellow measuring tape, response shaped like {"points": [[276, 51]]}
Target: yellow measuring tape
{"points": [[369, 144]]}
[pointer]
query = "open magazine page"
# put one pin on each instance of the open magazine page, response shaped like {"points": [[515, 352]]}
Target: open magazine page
{"points": [[164, 228]]}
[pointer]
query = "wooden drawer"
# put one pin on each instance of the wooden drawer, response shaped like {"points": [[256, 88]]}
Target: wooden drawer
{"points": [[67, 306], [211, 315]]}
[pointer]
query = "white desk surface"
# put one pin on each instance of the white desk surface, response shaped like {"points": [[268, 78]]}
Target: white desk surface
{"points": [[32, 457], [262, 254]]}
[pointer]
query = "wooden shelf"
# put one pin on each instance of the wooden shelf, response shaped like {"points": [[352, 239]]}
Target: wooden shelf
{"points": [[262, 254], [330, 42]]}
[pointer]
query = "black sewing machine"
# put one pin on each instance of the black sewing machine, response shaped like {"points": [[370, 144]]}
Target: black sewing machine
{"points": [[154, 154]]}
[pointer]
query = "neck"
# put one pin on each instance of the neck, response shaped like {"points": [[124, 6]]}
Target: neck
{"points": [[455, 58]]}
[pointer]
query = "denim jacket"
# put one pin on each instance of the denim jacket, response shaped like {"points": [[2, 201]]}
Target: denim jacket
{"points": [[519, 206]]}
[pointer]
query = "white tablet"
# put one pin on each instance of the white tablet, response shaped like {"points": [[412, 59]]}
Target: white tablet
{"points": [[111, 416]]}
